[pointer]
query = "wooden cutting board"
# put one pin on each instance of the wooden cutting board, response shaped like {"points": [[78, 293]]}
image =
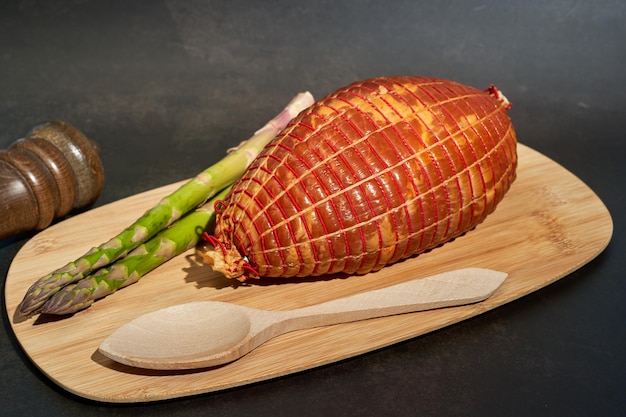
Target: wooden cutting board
{"points": [[548, 225]]}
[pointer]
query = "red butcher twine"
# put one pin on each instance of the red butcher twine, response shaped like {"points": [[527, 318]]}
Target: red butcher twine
{"points": [[378, 171]]}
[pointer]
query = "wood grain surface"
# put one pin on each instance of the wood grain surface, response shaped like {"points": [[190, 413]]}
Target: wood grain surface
{"points": [[549, 225]]}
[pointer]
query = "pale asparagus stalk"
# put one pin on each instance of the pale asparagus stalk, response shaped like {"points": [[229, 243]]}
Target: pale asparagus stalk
{"points": [[168, 243], [186, 198]]}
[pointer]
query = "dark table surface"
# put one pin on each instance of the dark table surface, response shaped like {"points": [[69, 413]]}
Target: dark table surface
{"points": [[165, 87]]}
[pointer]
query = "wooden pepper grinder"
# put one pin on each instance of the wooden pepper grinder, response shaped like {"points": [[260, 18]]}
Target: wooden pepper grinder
{"points": [[44, 176]]}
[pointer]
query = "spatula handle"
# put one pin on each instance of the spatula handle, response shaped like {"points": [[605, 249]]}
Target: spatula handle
{"points": [[453, 288]]}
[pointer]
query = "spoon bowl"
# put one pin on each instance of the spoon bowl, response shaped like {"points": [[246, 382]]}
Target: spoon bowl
{"points": [[209, 333]]}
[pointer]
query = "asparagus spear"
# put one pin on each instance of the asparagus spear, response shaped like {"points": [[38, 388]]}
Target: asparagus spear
{"points": [[172, 241], [187, 197]]}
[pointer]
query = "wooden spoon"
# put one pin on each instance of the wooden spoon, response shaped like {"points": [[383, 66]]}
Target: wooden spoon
{"points": [[208, 333]]}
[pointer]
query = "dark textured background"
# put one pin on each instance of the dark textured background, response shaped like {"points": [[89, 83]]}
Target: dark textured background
{"points": [[165, 87]]}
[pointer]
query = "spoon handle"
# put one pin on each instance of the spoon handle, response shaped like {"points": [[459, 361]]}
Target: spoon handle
{"points": [[453, 288]]}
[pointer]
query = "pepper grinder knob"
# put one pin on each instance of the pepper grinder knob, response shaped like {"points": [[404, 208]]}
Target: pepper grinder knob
{"points": [[54, 170]]}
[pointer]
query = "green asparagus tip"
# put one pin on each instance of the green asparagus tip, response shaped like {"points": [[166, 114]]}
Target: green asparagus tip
{"points": [[36, 297], [70, 300]]}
